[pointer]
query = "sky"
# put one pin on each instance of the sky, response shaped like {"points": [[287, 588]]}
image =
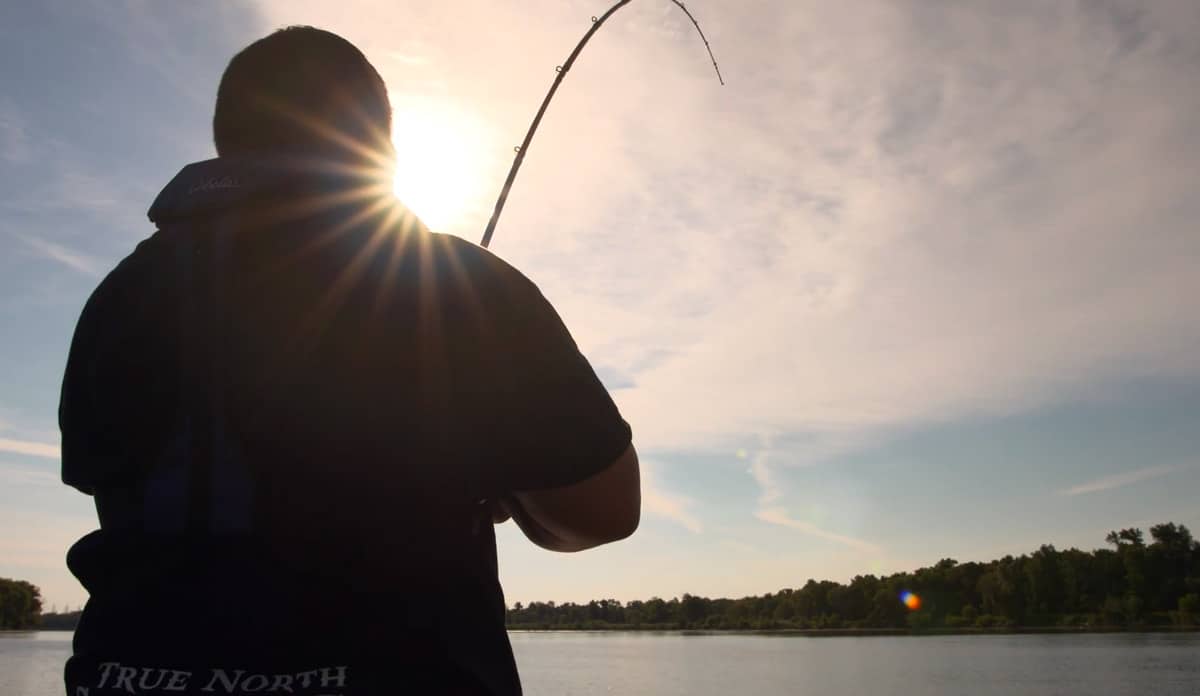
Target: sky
{"points": [[919, 282]]}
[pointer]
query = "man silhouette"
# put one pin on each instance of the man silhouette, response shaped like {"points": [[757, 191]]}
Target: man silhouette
{"points": [[300, 411]]}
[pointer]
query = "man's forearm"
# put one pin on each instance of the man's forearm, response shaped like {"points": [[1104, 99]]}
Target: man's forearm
{"points": [[537, 532], [602, 508]]}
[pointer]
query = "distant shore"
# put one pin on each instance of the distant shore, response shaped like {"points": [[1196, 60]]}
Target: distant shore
{"points": [[850, 632], [813, 632]]}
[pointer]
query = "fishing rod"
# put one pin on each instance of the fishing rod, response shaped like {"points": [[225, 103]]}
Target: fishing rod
{"points": [[562, 70]]}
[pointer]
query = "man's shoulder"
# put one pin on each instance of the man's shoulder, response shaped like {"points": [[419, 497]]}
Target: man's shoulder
{"points": [[481, 267], [129, 274], [470, 254]]}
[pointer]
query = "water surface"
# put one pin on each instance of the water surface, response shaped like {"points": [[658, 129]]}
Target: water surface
{"points": [[587, 664], [591, 664], [31, 664]]}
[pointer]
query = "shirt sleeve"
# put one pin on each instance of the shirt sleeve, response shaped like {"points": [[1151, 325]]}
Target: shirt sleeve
{"points": [[90, 450], [118, 385], [554, 423]]}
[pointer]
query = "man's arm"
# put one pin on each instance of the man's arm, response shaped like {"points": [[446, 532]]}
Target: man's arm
{"points": [[603, 508], [559, 454]]}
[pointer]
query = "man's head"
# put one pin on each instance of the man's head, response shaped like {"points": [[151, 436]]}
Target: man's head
{"points": [[301, 90]]}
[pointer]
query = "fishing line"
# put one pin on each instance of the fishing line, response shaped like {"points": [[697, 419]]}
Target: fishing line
{"points": [[562, 70]]}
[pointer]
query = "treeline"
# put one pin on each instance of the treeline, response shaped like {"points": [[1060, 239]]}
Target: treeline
{"points": [[60, 621], [1130, 584], [20, 605]]}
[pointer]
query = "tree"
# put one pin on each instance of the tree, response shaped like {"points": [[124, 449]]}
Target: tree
{"points": [[1189, 610], [657, 611], [1173, 536], [1169, 560], [1045, 584], [20, 604], [693, 608], [969, 614], [1130, 536]]}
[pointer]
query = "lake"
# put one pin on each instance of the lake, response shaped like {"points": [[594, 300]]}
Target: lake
{"points": [[590, 664]]}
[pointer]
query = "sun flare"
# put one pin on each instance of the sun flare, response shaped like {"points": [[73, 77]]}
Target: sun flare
{"points": [[440, 163]]}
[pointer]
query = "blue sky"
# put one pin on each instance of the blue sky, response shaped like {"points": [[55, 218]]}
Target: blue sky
{"points": [[917, 283]]}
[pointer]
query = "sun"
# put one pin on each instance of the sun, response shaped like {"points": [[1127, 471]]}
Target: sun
{"points": [[441, 163]]}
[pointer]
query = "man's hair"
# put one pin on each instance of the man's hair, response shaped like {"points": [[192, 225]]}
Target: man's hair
{"points": [[300, 89]]}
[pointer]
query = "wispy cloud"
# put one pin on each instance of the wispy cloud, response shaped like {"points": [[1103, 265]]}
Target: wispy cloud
{"points": [[663, 504], [408, 58], [20, 476], [68, 257], [1128, 478], [772, 513], [761, 471], [33, 449], [779, 516], [14, 139]]}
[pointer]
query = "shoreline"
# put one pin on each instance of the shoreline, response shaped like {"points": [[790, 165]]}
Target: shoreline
{"points": [[877, 632], [810, 632]]}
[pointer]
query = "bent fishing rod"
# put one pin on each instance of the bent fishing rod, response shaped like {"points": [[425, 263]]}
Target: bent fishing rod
{"points": [[562, 70]]}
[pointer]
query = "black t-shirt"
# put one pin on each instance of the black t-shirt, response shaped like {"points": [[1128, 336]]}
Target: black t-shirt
{"points": [[289, 403]]}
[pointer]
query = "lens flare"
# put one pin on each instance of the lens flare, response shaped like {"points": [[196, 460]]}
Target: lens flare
{"points": [[910, 600], [441, 165]]}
